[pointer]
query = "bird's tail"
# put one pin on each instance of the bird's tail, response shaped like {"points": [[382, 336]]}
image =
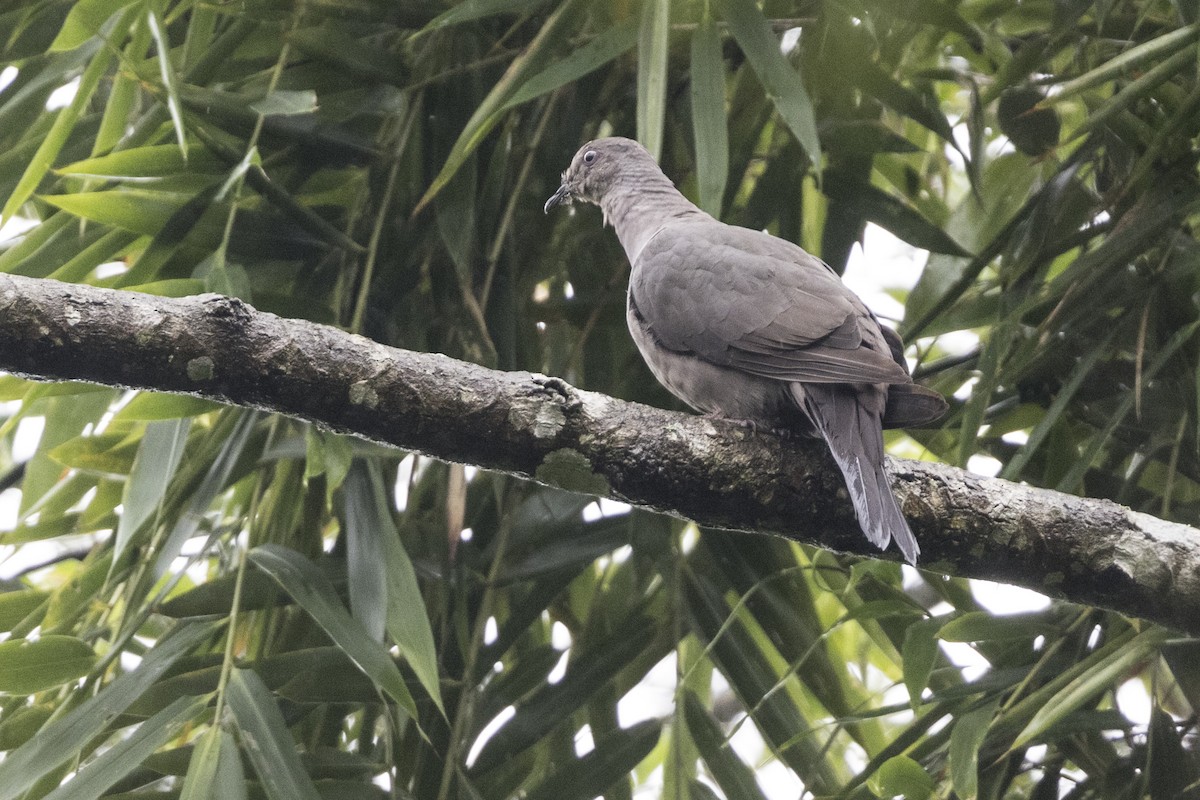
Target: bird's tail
{"points": [[852, 431]]}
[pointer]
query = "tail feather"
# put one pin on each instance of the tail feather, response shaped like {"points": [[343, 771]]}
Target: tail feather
{"points": [[852, 430]]}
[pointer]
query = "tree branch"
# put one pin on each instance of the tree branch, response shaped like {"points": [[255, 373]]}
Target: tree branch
{"points": [[1088, 551]]}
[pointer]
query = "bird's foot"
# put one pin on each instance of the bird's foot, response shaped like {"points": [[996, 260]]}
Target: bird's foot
{"points": [[558, 387], [752, 425]]}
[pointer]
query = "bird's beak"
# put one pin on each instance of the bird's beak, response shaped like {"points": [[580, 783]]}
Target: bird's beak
{"points": [[563, 195]]}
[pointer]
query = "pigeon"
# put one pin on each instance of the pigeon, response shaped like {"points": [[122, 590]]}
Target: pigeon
{"points": [[743, 325]]}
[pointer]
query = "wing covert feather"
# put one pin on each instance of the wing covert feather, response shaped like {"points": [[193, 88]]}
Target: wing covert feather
{"points": [[745, 299]]}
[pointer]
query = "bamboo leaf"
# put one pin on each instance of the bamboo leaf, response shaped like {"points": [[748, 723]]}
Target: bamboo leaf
{"points": [[487, 113], [154, 466], [1055, 412], [901, 776], [148, 406], [310, 588], [202, 768], [970, 729], [99, 775], [980, 626], [554, 703], [137, 210], [373, 531], [894, 215], [15, 606], [733, 775], [708, 116], [64, 737], [599, 51], [652, 74], [84, 20], [166, 71], [1090, 684], [33, 665], [120, 109], [153, 161], [614, 757], [286, 102], [781, 81], [919, 654], [56, 139], [267, 739], [471, 10], [1160, 47]]}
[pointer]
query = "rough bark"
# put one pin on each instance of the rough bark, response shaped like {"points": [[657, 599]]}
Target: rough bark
{"points": [[720, 475]]}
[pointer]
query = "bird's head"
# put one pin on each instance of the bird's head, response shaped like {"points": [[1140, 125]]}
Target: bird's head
{"points": [[599, 166]]}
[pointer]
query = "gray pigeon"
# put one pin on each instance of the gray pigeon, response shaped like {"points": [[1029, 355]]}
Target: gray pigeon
{"points": [[743, 325]]}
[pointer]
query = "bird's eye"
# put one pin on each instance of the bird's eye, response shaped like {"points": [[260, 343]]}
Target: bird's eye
{"points": [[589, 156]]}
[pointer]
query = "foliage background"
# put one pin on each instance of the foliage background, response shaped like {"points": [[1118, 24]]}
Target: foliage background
{"points": [[212, 602]]}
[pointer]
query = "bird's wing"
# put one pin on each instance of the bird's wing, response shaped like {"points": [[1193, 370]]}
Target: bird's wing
{"points": [[747, 300]]}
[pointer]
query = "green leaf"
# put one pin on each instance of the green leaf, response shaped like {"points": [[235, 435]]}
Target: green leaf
{"points": [[127, 755], [919, 653], [471, 10], [65, 418], [138, 210], [84, 21], [230, 437], [868, 76], [1140, 89], [1086, 687], [166, 71], [780, 80], [154, 466], [233, 180], [894, 215], [367, 524], [980, 626], [67, 600], [734, 776], [202, 769], [268, 741], [708, 116], [121, 106], [56, 139], [652, 74], [970, 729], [1159, 47], [215, 769], [286, 102], [34, 242], [327, 454], [104, 250], [230, 783], [33, 665], [149, 406], [548, 707], [110, 453], [297, 576], [63, 738], [901, 775], [1058, 407], [173, 287], [224, 277], [154, 161], [487, 113], [15, 606], [599, 51], [613, 758], [21, 724], [1080, 465]]}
